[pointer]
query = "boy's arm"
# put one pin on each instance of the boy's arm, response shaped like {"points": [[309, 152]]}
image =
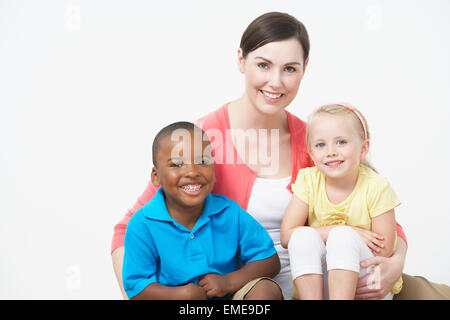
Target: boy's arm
{"points": [[384, 225], [217, 285], [156, 291]]}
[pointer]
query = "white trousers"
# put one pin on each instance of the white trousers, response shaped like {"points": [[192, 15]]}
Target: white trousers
{"points": [[344, 250]]}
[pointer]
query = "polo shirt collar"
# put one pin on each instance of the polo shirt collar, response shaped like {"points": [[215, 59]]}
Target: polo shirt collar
{"points": [[156, 209]]}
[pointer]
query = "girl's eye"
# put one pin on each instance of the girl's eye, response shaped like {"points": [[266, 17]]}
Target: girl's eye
{"points": [[341, 142], [290, 69], [263, 65], [320, 145]]}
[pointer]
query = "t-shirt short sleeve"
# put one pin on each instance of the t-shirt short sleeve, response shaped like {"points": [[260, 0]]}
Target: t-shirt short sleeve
{"points": [[302, 185], [254, 241], [140, 260], [381, 197]]}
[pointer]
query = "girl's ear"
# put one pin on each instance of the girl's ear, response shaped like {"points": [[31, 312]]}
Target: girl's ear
{"points": [[241, 61], [365, 149], [155, 178]]}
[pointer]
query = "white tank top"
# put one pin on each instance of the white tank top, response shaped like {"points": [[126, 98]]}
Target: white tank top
{"points": [[268, 201]]}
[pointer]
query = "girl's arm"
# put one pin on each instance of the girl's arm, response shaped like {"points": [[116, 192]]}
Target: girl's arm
{"points": [[295, 216], [384, 225]]}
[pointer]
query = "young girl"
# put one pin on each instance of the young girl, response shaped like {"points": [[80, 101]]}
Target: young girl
{"points": [[349, 208]]}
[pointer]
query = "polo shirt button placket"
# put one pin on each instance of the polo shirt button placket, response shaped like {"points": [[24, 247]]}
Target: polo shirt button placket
{"points": [[192, 236]]}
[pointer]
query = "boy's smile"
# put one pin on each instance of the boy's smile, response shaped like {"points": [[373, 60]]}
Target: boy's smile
{"points": [[185, 172]]}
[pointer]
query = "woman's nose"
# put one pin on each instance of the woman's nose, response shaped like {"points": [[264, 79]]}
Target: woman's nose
{"points": [[275, 79]]}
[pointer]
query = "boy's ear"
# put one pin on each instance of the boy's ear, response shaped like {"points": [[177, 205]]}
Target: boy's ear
{"points": [[365, 149], [155, 178]]}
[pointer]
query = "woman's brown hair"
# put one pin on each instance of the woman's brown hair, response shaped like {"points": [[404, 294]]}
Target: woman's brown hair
{"points": [[274, 26]]}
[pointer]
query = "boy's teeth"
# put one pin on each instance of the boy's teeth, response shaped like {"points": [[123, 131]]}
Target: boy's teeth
{"points": [[191, 187], [270, 95]]}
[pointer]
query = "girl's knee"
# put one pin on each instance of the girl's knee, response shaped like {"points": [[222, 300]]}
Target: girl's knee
{"points": [[342, 237], [304, 236]]}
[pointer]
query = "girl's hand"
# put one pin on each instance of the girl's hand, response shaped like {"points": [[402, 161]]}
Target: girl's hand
{"points": [[377, 284], [373, 240], [215, 285]]}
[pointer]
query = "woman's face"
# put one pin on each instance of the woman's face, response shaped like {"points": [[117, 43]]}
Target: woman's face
{"points": [[273, 74]]}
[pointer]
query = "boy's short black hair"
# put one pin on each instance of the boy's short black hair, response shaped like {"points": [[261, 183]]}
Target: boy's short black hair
{"points": [[168, 130]]}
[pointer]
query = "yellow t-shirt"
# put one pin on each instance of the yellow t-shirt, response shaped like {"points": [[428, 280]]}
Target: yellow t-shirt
{"points": [[371, 197]]}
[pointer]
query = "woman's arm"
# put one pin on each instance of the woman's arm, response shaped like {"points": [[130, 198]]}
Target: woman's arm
{"points": [[387, 267], [117, 260], [385, 273], [295, 216], [117, 245]]}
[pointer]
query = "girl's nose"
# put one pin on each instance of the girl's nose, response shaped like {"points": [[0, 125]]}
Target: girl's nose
{"points": [[331, 150]]}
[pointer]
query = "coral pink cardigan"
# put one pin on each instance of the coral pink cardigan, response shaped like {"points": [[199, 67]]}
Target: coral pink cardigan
{"points": [[233, 180]]}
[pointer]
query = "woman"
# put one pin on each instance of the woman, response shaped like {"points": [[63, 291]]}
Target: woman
{"points": [[259, 146]]}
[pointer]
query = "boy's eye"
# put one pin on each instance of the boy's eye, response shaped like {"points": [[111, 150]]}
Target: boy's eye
{"points": [[177, 164], [341, 142], [320, 145], [204, 161]]}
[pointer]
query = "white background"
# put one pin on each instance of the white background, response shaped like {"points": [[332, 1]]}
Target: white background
{"points": [[85, 86]]}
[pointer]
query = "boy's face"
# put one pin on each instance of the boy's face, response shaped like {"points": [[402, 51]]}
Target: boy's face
{"points": [[184, 169]]}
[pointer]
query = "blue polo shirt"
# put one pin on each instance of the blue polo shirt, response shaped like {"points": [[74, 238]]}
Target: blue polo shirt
{"points": [[159, 249]]}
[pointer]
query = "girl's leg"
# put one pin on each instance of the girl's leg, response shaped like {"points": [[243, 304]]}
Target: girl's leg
{"points": [[345, 251], [307, 257]]}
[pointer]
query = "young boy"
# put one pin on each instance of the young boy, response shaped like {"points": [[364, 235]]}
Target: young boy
{"points": [[187, 243]]}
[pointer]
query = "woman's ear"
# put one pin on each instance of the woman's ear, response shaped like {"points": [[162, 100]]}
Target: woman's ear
{"points": [[241, 61], [306, 64], [155, 178], [365, 149]]}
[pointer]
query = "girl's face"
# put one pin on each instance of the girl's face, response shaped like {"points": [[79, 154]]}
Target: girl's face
{"points": [[335, 145], [273, 74]]}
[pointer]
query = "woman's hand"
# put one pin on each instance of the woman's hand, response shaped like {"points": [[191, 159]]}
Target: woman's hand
{"points": [[373, 240], [379, 282]]}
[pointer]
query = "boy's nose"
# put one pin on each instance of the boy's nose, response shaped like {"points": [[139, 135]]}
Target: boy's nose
{"points": [[191, 170]]}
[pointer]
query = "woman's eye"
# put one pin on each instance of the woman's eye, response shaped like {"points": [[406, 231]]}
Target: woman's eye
{"points": [[263, 65], [290, 69]]}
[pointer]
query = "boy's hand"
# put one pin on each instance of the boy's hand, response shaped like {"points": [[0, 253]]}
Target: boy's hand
{"points": [[193, 292], [214, 284]]}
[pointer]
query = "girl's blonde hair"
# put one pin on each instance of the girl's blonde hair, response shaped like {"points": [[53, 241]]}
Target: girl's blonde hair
{"points": [[357, 117]]}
